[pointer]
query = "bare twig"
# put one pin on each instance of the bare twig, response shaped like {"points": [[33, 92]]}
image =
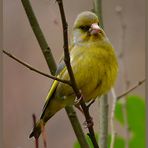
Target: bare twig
{"points": [[131, 89], [44, 135], [39, 36], [103, 121], [103, 101], [113, 133], [36, 139], [122, 56], [72, 79], [97, 5], [80, 134], [34, 69]]}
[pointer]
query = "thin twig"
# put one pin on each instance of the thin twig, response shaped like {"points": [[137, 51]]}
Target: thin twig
{"points": [[97, 5], [39, 36], [44, 135], [131, 89], [113, 133], [77, 127], [103, 101], [71, 75], [103, 121], [34, 69], [122, 55], [36, 139]]}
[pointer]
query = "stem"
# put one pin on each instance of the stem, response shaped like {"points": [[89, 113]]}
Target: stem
{"points": [[97, 4], [103, 124], [113, 132], [103, 130], [124, 70], [36, 139], [34, 69], [131, 89], [39, 36], [71, 75], [80, 134], [51, 63]]}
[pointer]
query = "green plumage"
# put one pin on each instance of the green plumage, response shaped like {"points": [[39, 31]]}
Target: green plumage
{"points": [[94, 66]]}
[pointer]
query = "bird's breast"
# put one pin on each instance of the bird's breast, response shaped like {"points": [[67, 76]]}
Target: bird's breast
{"points": [[97, 69]]}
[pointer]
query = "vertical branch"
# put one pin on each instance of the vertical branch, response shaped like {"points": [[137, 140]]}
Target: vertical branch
{"points": [[103, 102], [52, 66], [72, 78], [103, 121], [119, 11], [44, 136], [113, 133], [97, 4], [80, 134], [39, 36], [36, 139]]}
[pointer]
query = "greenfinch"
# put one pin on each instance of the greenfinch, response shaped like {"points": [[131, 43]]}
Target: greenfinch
{"points": [[94, 65]]}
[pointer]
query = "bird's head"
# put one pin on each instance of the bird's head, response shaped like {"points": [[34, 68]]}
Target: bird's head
{"points": [[86, 28]]}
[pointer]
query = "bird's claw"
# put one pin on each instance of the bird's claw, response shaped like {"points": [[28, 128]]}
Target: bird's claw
{"points": [[77, 100], [88, 123]]}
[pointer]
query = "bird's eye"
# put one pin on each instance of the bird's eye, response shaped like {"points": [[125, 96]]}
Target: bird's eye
{"points": [[85, 28]]}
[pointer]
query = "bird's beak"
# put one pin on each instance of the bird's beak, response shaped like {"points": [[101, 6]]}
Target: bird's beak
{"points": [[94, 29]]}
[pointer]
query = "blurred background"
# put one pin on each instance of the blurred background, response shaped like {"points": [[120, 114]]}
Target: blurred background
{"points": [[24, 91]]}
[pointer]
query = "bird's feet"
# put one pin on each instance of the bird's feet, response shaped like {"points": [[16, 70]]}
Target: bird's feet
{"points": [[88, 123], [77, 100]]}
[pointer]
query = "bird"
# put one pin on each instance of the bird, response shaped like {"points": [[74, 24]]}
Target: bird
{"points": [[94, 65]]}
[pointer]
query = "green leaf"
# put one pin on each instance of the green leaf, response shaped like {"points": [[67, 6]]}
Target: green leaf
{"points": [[119, 112], [77, 145], [136, 111], [119, 142]]}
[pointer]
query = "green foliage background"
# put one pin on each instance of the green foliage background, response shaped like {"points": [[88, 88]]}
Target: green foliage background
{"points": [[136, 118]]}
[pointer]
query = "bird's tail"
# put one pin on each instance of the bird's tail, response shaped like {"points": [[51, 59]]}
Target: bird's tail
{"points": [[37, 129]]}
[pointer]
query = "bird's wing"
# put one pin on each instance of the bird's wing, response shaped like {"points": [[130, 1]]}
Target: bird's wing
{"points": [[61, 67], [50, 94]]}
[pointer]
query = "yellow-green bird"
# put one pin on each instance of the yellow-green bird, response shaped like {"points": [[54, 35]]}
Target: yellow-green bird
{"points": [[94, 65]]}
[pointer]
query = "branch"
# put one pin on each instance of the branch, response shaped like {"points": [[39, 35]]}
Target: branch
{"points": [[122, 55], [36, 139], [131, 89], [35, 70], [113, 132], [39, 36], [80, 134], [52, 66], [44, 136], [97, 4], [103, 101], [71, 75], [103, 121]]}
